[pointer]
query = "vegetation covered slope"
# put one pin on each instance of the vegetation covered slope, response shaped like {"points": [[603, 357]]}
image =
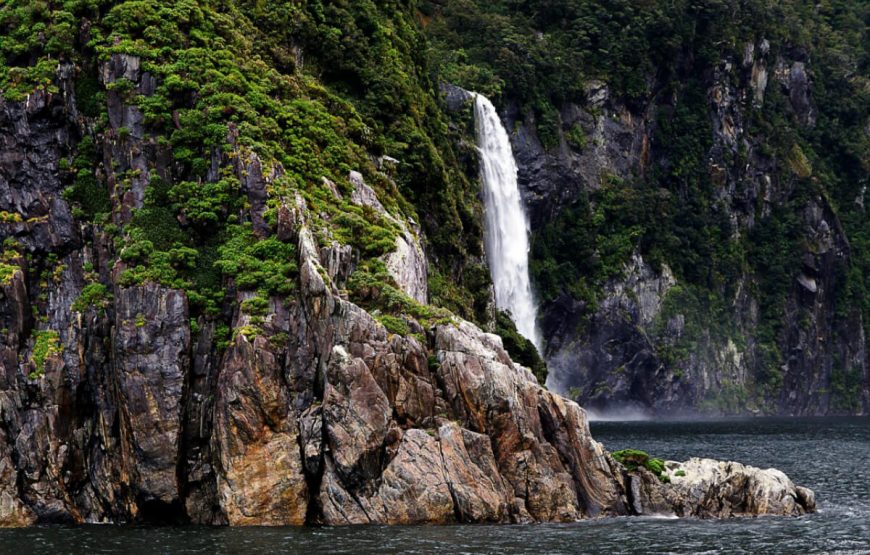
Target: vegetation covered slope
{"points": [[182, 164], [212, 216], [310, 90], [711, 92]]}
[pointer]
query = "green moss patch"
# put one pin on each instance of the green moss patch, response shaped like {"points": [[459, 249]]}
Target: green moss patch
{"points": [[632, 459], [93, 295], [46, 343]]}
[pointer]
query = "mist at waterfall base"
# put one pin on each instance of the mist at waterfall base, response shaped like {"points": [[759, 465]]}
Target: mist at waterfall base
{"points": [[506, 225], [829, 455]]}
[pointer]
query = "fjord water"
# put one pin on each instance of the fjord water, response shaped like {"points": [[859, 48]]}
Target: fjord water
{"points": [[506, 228], [829, 455]]}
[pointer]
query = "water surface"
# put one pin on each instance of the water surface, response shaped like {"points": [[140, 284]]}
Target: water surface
{"points": [[830, 455]]}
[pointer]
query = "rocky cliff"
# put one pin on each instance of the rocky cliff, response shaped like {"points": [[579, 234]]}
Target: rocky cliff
{"points": [[222, 297], [652, 341], [696, 178], [119, 406]]}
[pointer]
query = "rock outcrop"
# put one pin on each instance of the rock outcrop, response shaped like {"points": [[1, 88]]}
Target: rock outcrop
{"points": [[713, 489], [336, 422], [407, 262]]}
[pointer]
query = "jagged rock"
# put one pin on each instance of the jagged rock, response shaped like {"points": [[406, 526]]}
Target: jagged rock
{"points": [[407, 263], [13, 512], [127, 146], [503, 448], [261, 479], [311, 438], [479, 494], [715, 489], [313, 413], [34, 136], [456, 98], [596, 93], [617, 360], [799, 93], [356, 418], [808, 283], [408, 266], [557, 471], [617, 144], [413, 487], [627, 351]]}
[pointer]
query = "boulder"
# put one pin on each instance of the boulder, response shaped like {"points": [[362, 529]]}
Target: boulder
{"points": [[708, 488]]}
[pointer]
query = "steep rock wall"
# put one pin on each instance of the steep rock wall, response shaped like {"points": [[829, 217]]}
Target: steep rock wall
{"points": [[647, 343]]}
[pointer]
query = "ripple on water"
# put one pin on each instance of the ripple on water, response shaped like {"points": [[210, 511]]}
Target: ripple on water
{"points": [[829, 455]]}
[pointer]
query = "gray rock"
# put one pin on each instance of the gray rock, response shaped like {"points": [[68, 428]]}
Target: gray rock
{"points": [[407, 264], [715, 489], [151, 360], [455, 97], [313, 413]]}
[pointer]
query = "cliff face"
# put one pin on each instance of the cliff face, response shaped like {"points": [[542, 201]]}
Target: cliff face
{"points": [[651, 341], [696, 177], [119, 406], [214, 281]]}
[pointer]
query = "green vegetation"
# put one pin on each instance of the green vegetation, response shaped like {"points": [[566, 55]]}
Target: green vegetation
{"points": [[88, 195], [730, 398], [9, 217], [6, 273], [93, 295], [519, 348], [540, 55], [632, 459], [9, 263], [46, 343], [846, 389], [372, 287], [394, 324], [265, 264], [256, 103], [231, 88], [576, 137], [590, 240]]}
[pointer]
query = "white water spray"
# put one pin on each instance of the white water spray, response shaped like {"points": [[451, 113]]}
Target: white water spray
{"points": [[507, 228]]}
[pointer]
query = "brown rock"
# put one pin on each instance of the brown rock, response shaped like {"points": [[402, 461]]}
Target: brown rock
{"points": [[356, 418], [414, 486], [262, 481], [472, 475]]}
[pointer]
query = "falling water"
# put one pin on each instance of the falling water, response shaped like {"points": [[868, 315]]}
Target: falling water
{"points": [[507, 228]]}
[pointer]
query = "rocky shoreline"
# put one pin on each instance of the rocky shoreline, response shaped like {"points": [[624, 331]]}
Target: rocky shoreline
{"points": [[337, 422]]}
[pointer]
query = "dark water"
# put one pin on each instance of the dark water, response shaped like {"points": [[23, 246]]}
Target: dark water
{"points": [[832, 456]]}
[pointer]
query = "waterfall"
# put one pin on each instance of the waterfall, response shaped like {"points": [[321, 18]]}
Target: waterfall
{"points": [[506, 226]]}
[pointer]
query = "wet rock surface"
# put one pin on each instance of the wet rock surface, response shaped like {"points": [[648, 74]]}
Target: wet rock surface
{"points": [[714, 489]]}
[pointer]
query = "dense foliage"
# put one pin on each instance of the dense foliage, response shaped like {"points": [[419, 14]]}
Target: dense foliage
{"points": [[663, 57], [632, 459], [307, 91]]}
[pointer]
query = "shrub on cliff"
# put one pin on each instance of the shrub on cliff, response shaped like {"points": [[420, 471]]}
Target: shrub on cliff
{"points": [[519, 348], [632, 459]]}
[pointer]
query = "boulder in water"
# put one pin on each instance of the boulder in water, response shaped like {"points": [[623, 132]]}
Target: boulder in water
{"points": [[706, 488]]}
